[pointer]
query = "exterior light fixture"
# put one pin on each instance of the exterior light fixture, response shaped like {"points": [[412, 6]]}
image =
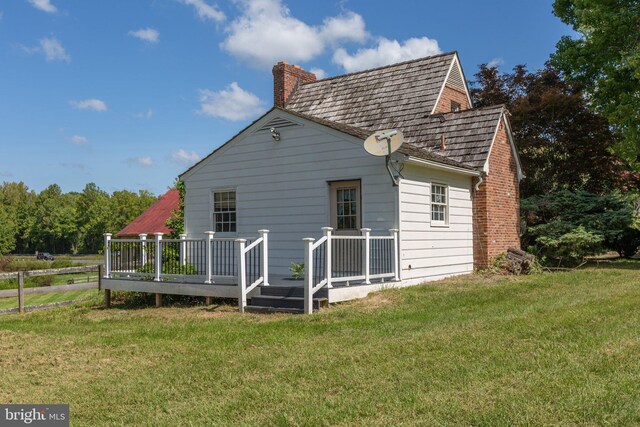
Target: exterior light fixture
{"points": [[275, 134]]}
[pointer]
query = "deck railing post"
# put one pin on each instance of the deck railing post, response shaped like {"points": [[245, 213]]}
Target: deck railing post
{"points": [[21, 292], [366, 232], [265, 256], [242, 276], [328, 256], [107, 255], [183, 249], [158, 263], [308, 274], [143, 249], [209, 256], [396, 252]]}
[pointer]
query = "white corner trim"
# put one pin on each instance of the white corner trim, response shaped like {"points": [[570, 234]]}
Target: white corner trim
{"points": [[440, 166], [514, 149], [485, 168], [444, 83], [464, 80], [456, 62]]}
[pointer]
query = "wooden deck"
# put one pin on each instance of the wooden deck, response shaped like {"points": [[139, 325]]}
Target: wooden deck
{"points": [[227, 287]]}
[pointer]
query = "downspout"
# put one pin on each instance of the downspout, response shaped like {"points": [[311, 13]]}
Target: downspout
{"points": [[475, 213]]}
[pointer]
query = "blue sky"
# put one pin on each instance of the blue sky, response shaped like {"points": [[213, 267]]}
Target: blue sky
{"points": [[128, 94]]}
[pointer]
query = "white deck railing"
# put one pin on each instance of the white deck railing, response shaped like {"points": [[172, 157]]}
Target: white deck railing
{"points": [[333, 259], [259, 277], [197, 260]]}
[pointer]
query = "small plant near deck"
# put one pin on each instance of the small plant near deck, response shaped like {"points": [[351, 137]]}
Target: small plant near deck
{"points": [[297, 270]]}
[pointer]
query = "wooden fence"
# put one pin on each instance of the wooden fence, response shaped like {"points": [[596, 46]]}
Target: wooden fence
{"points": [[20, 275]]}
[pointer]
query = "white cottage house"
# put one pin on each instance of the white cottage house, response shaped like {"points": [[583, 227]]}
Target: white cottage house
{"points": [[297, 186]]}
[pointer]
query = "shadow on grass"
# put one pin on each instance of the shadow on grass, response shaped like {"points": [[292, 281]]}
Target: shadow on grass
{"points": [[126, 300], [619, 264]]}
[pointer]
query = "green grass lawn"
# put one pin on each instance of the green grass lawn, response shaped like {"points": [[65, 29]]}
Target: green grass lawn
{"points": [[552, 349], [38, 299]]}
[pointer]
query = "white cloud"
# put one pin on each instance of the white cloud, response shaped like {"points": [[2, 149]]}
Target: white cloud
{"points": [[347, 27], [146, 34], [142, 161], [495, 62], [6, 174], [72, 165], [53, 50], [205, 11], [231, 103], [266, 33], [78, 140], [386, 52], [89, 104], [145, 115], [184, 157], [319, 72], [44, 5]]}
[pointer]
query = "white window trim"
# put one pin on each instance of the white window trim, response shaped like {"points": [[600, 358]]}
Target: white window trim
{"points": [[212, 225], [447, 205]]}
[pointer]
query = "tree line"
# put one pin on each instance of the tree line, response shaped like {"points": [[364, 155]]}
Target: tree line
{"points": [[57, 222], [576, 124]]}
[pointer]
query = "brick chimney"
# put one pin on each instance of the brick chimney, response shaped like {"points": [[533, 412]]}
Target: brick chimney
{"points": [[286, 78]]}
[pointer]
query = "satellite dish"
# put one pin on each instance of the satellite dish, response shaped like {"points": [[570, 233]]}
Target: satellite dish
{"points": [[383, 142]]}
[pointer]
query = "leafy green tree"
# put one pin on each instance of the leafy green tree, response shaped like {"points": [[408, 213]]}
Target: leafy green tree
{"points": [[606, 60], [7, 232], [125, 206], [54, 228], [176, 221], [563, 144], [64, 223], [572, 225], [19, 203], [92, 217]]}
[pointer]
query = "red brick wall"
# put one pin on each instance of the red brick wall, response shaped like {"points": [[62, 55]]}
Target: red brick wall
{"points": [[497, 204], [285, 80], [451, 94]]}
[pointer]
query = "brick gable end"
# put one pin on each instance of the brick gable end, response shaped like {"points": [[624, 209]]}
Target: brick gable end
{"points": [[451, 94], [496, 213]]}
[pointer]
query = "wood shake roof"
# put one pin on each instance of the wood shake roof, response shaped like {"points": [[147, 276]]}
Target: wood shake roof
{"points": [[380, 98], [468, 133], [401, 96]]}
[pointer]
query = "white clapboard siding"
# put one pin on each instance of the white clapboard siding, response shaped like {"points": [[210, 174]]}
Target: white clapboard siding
{"points": [[283, 186], [430, 252]]}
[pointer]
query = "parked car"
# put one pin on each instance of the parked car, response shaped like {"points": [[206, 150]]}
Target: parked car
{"points": [[45, 256]]}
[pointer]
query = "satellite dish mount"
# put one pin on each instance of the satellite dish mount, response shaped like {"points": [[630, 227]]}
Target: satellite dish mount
{"points": [[384, 143]]}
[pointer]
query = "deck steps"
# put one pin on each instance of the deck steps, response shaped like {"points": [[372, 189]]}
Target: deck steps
{"points": [[285, 299], [258, 309], [290, 291]]}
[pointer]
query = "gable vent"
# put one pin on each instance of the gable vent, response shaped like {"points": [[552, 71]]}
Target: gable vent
{"points": [[278, 123], [455, 78]]}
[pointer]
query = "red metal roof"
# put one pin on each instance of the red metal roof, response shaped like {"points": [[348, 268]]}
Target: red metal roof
{"points": [[154, 218]]}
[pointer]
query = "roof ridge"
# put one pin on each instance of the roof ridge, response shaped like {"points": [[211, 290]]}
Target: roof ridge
{"points": [[452, 52]]}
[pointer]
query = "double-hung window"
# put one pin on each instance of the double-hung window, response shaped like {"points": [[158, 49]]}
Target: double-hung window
{"points": [[224, 211], [439, 204]]}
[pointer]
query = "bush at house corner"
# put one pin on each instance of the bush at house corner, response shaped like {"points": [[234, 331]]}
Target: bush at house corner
{"points": [[568, 226]]}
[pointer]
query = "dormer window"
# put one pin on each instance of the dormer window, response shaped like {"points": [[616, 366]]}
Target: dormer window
{"points": [[455, 106]]}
